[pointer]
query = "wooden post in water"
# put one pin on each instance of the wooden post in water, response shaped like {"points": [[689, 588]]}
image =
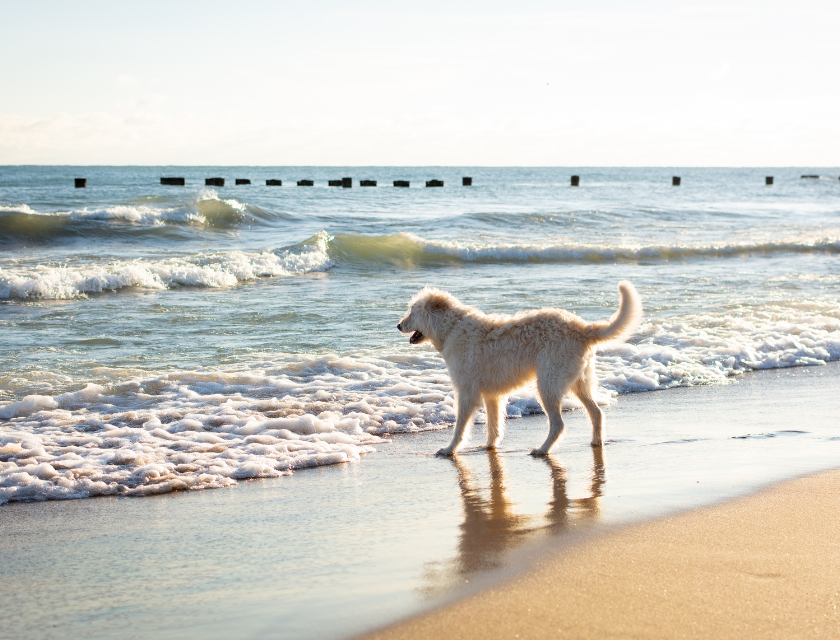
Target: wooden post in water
{"points": [[768, 180], [675, 181], [243, 181], [306, 183], [273, 183], [347, 183], [367, 183], [434, 183], [214, 182], [466, 182], [575, 181], [401, 183], [80, 183], [175, 182]]}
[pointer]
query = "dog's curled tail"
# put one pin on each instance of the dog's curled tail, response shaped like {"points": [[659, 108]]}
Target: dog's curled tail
{"points": [[624, 321]]}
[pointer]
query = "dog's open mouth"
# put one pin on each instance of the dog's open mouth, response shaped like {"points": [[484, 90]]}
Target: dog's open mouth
{"points": [[415, 337]]}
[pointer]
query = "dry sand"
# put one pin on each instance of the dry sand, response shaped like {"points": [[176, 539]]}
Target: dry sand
{"points": [[765, 566]]}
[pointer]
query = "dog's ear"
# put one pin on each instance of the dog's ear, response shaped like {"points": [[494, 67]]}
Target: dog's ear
{"points": [[437, 302]]}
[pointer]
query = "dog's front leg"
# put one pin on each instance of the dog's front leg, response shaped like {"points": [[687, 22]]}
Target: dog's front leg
{"points": [[467, 405], [495, 407]]}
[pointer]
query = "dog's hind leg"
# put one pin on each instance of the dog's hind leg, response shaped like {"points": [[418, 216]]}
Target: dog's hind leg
{"points": [[551, 396], [468, 403], [495, 406], [583, 390]]}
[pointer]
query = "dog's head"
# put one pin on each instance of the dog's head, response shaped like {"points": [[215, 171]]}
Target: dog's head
{"points": [[425, 314]]}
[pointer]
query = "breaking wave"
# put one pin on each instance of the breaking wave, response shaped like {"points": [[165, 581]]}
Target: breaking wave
{"points": [[407, 249], [222, 269]]}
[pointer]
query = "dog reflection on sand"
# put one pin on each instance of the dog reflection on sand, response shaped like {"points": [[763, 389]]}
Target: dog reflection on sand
{"points": [[494, 525]]}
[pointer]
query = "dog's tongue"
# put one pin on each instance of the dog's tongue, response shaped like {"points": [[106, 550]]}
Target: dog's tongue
{"points": [[415, 337]]}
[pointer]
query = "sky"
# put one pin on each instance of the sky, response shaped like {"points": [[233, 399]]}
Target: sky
{"points": [[322, 82]]}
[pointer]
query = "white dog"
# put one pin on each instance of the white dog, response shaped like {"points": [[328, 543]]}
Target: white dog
{"points": [[489, 356]]}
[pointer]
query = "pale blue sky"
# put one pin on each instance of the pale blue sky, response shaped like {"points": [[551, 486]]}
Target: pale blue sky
{"points": [[434, 83]]}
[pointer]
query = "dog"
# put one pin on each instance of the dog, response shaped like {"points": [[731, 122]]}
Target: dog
{"points": [[489, 356]]}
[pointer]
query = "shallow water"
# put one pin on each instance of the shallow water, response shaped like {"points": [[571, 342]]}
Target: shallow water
{"points": [[160, 338]]}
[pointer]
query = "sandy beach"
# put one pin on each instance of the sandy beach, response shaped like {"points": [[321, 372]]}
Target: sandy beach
{"points": [[766, 566]]}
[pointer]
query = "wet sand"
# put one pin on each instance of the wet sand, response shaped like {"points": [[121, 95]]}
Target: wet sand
{"points": [[765, 566], [337, 551]]}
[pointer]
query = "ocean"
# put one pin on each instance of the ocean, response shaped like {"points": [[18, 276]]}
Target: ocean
{"points": [[163, 338]]}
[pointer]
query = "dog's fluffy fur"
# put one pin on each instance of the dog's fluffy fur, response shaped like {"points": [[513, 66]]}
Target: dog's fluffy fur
{"points": [[489, 356]]}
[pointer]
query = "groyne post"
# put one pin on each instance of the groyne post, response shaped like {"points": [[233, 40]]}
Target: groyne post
{"points": [[273, 183], [768, 180], [80, 183], [466, 182], [347, 183], [434, 183], [214, 182], [675, 181], [243, 181], [401, 183], [575, 181], [175, 182]]}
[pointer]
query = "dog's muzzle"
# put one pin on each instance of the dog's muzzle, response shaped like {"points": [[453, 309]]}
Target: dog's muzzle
{"points": [[415, 337]]}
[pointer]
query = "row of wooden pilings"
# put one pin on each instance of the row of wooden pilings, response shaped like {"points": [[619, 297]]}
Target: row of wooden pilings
{"points": [[347, 183], [676, 181]]}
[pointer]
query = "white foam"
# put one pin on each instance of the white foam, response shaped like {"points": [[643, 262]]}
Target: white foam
{"points": [[194, 430], [212, 270], [210, 428], [711, 348], [18, 208]]}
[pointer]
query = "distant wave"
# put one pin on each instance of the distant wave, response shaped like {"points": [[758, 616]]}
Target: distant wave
{"points": [[206, 209], [408, 249], [207, 270]]}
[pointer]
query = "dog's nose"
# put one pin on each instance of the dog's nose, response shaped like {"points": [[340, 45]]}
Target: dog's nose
{"points": [[399, 327]]}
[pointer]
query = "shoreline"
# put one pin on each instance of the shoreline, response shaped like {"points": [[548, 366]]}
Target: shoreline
{"points": [[766, 565]]}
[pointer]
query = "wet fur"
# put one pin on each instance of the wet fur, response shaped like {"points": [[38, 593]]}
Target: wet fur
{"points": [[489, 356]]}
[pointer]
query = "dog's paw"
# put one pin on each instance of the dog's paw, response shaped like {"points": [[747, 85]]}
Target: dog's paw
{"points": [[539, 453], [446, 452]]}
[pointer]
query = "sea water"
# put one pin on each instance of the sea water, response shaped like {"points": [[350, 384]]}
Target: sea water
{"points": [[160, 338]]}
